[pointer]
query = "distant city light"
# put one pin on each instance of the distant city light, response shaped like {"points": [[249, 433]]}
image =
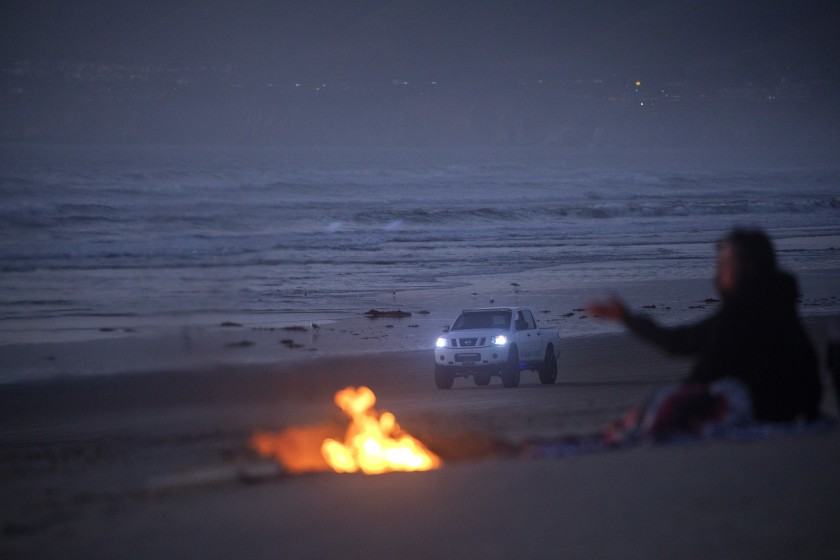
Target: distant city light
{"points": [[638, 83]]}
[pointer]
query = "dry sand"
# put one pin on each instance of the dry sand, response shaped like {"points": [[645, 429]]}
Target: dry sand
{"points": [[157, 465]]}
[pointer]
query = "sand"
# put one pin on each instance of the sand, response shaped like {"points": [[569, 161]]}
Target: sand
{"points": [[157, 464]]}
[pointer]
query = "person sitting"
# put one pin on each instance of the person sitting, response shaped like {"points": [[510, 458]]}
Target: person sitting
{"points": [[754, 340]]}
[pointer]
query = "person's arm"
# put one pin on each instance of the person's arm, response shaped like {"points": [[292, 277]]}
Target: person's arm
{"points": [[675, 340]]}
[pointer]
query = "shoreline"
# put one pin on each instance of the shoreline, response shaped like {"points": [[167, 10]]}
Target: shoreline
{"points": [[555, 293], [196, 348]]}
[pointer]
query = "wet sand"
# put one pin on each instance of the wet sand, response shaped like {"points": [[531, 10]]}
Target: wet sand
{"points": [[158, 465]]}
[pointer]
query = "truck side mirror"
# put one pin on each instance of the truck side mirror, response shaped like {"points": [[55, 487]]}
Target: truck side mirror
{"points": [[446, 328]]}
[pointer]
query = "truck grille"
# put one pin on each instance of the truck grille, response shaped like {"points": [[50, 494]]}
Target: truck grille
{"points": [[468, 342]]}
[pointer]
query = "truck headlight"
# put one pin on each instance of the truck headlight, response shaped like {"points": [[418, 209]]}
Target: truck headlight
{"points": [[441, 342], [499, 340]]}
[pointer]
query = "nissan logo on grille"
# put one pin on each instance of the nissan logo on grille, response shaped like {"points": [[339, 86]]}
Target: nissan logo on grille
{"points": [[468, 341]]}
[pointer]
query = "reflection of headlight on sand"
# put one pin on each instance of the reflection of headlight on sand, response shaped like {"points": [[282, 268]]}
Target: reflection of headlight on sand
{"points": [[441, 342], [499, 340]]}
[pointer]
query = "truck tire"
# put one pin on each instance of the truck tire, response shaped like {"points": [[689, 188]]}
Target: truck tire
{"points": [[548, 369], [481, 379], [510, 371], [444, 378]]}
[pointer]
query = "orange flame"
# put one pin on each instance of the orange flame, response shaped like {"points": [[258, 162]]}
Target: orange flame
{"points": [[372, 444]]}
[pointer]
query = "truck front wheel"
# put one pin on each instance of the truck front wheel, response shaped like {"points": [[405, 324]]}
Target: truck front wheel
{"points": [[444, 378], [510, 371]]}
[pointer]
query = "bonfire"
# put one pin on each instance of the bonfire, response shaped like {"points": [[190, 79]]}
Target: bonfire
{"points": [[372, 444]]}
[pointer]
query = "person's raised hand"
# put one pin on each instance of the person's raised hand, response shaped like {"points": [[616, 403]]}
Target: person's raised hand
{"points": [[612, 308]]}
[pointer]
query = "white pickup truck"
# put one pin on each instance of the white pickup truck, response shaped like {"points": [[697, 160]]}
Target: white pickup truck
{"points": [[499, 341]]}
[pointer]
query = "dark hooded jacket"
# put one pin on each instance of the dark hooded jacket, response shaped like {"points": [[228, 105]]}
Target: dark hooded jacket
{"points": [[755, 336]]}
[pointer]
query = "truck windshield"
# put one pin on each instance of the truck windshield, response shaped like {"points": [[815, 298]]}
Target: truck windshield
{"points": [[482, 320]]}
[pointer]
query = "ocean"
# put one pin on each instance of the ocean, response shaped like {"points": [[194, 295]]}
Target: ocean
{"points": [[175, 234]]}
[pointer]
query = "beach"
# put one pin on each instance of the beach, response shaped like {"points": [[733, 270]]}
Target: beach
{"points": [[158, 463]]}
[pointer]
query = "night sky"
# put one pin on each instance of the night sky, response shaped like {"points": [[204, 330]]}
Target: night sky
{"points": [[708, 44]]}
